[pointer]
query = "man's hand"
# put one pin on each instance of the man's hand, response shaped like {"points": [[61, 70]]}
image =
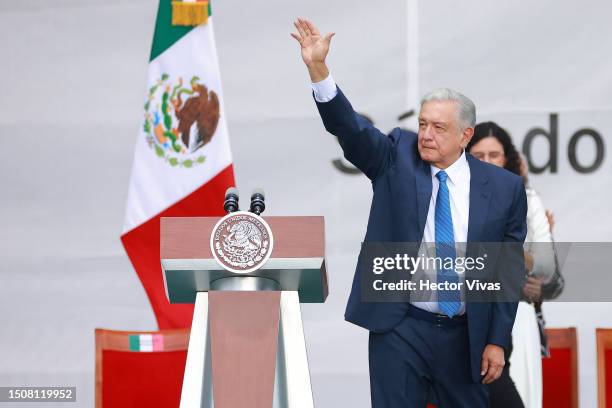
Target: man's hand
{"points": [[533, 289], [492, 363], [314, 48]]}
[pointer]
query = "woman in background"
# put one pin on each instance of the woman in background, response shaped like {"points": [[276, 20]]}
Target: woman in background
{"points": [[521, 382]]}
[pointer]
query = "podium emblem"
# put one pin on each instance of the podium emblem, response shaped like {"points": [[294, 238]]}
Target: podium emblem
{"points": [[241, 242]]}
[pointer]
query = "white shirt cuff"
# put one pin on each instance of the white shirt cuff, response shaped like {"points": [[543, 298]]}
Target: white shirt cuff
{"points": [[325, 90]]}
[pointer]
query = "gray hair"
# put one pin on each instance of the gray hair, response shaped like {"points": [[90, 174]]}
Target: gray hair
{"points": [[467, 109]]}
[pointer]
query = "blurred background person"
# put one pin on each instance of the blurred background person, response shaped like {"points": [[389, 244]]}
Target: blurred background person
{"points": [[521, 382]]}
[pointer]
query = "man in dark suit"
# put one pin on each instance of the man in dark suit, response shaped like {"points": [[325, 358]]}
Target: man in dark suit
{"points": [[426, 189]]}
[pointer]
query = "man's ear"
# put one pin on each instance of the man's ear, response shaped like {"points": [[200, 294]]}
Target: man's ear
{"points": [[466, 136]]}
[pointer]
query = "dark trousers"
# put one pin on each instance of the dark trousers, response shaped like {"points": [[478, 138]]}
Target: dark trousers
{"points": [[419, 357], [503, 392]]}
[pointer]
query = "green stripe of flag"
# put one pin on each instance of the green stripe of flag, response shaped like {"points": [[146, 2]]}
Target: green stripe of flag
{"points": [[165, 33], [134, 342]]}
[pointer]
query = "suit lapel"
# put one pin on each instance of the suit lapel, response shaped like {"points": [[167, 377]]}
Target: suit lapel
{"points": [[480, 196], [423, 190]]}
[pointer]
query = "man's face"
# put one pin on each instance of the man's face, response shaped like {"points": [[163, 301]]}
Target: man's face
{"points": [[440, 135]]}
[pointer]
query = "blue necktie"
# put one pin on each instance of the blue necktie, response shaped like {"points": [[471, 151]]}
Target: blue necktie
{"points": [[449, 301]]}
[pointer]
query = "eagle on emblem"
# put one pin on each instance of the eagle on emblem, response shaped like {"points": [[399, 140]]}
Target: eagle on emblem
{"points": [[244, 237], [201, 109]]}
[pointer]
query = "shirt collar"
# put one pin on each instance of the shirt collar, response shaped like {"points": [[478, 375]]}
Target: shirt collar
{"points": [[455, 171]]}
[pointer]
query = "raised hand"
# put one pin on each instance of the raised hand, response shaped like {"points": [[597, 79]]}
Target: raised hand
{"points": [[314, 48]]}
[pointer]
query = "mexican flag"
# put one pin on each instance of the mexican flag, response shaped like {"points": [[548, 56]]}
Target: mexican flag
{"points": [[182, 163]]}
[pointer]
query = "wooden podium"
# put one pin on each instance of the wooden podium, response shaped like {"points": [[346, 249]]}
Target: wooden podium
{"points": [[247, 346]]}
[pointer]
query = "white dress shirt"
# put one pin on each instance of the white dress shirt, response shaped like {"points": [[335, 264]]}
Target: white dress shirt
{"points": [[458, 183], [325, 90]]}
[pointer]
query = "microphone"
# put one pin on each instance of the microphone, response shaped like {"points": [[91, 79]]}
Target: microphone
{"points": [[230, 204], [258, 199]]}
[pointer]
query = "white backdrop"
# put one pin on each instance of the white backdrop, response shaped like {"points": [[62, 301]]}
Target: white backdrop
{"points": [[73, 79]]}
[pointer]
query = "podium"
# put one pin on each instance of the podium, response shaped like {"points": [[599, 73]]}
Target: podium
{"points": [[247, 276]]}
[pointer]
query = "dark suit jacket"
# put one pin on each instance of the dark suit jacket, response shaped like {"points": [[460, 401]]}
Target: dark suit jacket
{"points": [[402, 187]]}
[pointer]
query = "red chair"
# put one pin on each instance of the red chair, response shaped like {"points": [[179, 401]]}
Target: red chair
{"points": [[560, 370], [604, 365], [140, 369]]}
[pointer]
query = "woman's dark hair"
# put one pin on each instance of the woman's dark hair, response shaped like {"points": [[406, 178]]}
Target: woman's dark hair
{"points": [[492, 129]]}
